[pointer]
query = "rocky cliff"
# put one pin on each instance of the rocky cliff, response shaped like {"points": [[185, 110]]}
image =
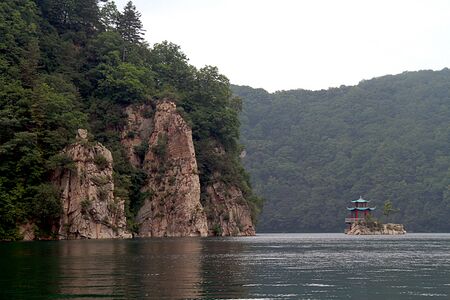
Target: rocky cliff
{"points": [[376, 229], [135, 135], [227, 212], [90, 209], [157, 141], [172, 207]]}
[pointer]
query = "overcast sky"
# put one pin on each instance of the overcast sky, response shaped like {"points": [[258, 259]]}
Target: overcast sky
{"points": [[309, 44]]}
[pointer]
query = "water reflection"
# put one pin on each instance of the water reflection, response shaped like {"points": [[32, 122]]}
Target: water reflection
{"points": [[179, 268], [266, 266], [223, 272], [157, 268], [90, 268], [167, 268], [28, 270]]}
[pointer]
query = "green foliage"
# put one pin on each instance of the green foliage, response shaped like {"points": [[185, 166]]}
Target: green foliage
{"points": [[109, 15], [141, 150], [148, 114], [113, 207], [311, 152], [226, 216], [131, 135], [208, 106], [160, 149], [101, 161], [61, 161], [217, 230], [81, 16], [129, 24], [85, 204], [124, 83], [100, 180], [171, 65], [369, 219], [39, 114], [102, 193], [388, 209], [172, 180], [130, 28], [46, 205], [68, 64], [11, 211]]}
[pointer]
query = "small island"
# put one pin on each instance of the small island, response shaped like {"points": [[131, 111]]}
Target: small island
{"points": [[361, 222]]}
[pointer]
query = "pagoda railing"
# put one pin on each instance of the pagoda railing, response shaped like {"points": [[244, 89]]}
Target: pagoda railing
{"points": [[353, 220]]}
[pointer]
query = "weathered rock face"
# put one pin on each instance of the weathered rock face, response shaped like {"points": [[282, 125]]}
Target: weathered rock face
{"points": [[89, 207], [376, 229], [227, 212], [136, 133], [173, 205]]}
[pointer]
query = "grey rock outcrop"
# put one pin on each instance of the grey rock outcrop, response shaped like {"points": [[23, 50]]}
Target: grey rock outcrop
{"points": [[136, 133], [227, 212], [172, 207], [90, 209]]}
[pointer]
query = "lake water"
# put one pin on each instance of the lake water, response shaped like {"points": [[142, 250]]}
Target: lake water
{"points": [[267, 266]]}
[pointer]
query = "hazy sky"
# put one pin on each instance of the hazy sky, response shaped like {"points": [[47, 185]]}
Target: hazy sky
{"points": [[309, 44]]}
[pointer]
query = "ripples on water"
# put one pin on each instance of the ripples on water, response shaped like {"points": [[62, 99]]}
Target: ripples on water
{"points": [[268, 266]]}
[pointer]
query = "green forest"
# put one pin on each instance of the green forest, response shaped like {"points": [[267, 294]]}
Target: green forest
{"points": [[311, 152], [68, 64]]}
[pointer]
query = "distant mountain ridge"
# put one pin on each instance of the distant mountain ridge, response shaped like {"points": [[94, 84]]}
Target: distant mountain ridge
{"points": [[310, 152]]}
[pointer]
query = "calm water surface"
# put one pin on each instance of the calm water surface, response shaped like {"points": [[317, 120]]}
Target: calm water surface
{"points": [[268, 266]]}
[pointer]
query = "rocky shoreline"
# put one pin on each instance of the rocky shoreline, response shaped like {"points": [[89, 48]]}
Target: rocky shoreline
{"points": [[375, 228]]}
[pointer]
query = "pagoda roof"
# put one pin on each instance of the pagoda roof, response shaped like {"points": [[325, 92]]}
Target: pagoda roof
{"points": [[361, 208], [360, 200]]}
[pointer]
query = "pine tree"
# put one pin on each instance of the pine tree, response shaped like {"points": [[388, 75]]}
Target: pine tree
{"points": [[129, 24], [71, 15], [29, 64], [109, 15]]}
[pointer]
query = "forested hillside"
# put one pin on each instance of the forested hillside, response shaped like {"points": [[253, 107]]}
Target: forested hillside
{"points": [[69, 64], [310, 152]]}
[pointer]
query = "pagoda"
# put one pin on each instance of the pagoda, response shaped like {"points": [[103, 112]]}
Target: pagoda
{"points": [[359, 212]]}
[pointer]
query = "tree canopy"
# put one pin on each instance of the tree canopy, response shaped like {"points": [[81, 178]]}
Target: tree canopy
{"points": [[129, 24], [76, 64], [310, 152]]}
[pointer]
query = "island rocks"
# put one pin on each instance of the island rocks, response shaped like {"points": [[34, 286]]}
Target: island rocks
{"points": [[360, 228]]}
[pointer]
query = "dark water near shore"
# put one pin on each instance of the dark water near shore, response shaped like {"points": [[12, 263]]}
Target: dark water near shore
{"points": [[268, 266]]}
